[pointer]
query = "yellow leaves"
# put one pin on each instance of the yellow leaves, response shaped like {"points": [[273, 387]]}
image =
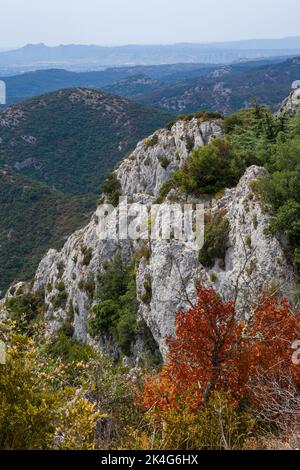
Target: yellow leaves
{"points": [[77, 422], [38, 410]]}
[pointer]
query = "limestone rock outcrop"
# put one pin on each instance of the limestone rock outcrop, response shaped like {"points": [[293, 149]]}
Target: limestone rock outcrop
{"points": [[254, 259]]}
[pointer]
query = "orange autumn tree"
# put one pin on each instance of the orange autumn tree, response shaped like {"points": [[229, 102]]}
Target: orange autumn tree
{"points": [[214, 351]]}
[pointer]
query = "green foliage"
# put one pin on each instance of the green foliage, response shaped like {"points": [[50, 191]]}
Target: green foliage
{"points": [[151, 141], [71, 352], [281, 189], [90, 286], [164, 161], [220, 425], [38, 408], [115, 396], [77, 140], [116, 312], [27, 409], [60, 299], [87, 255], [24, 309], [152, 355], [249, 137], [165, 189], [34, 218], [147, 294], [55, 190], [210, 169], [142, 252], [215, 241], [190, 143], [112, 189], [252, 137]]}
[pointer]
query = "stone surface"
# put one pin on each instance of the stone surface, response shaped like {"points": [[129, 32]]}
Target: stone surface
{"points": [[154, 159], [291, 105], [254, 260]]}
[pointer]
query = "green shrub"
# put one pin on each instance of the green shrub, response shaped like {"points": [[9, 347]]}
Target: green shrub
{"points": [[60, 269], [151, 141], [87, 255], [105, 314], [143, 252], [165, 189], [60, 286], [281, 189], [170, 125], [151, 350], [190, 143], [221, 425], [112, 189], [115, 313], [49, 287], [147, 161], [25, 308], [147, 294], [210, 169], [89, 286], [70, 351], [60, 300], [164, 161], [255, 221], [248, 241], [215, 241]]}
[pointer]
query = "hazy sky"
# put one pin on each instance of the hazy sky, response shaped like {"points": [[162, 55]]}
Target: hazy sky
{"points": [[109, 22]]}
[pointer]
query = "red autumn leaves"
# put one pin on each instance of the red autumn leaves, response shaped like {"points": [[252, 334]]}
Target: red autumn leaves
{"points": [[213, 351]]}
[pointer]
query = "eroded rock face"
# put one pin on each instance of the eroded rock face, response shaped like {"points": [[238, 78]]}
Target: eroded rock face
{"points": [[171, 271], [155, 158], [73, 272], [254, 261], [291, 105]]}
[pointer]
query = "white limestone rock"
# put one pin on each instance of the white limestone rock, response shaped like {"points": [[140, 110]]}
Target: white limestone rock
{"points": [[154, 159], [291, 105], [172, 271]]}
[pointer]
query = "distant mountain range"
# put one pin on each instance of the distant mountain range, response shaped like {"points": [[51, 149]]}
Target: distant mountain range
{"points": [[84, 57], [30, 84]]}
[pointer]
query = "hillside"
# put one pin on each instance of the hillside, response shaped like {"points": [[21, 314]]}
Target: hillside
{"points": [[71, 138], [228, 89], [27, 85], [100, 313], [33, 218], [129, 82], [182, 163]]}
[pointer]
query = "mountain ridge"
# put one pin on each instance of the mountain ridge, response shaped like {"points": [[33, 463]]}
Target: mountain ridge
{"points": [[84, 56], [63, 132], [177, 88]]}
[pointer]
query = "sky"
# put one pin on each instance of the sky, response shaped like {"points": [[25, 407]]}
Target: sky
{"points": [[116, 22]]}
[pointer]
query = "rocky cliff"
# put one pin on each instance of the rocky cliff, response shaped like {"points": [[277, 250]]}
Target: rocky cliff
{"points": [[167, 271], [291, 105]]}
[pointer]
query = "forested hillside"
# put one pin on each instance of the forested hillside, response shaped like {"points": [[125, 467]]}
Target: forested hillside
{"points": [[71, 138], [33, 218]]}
